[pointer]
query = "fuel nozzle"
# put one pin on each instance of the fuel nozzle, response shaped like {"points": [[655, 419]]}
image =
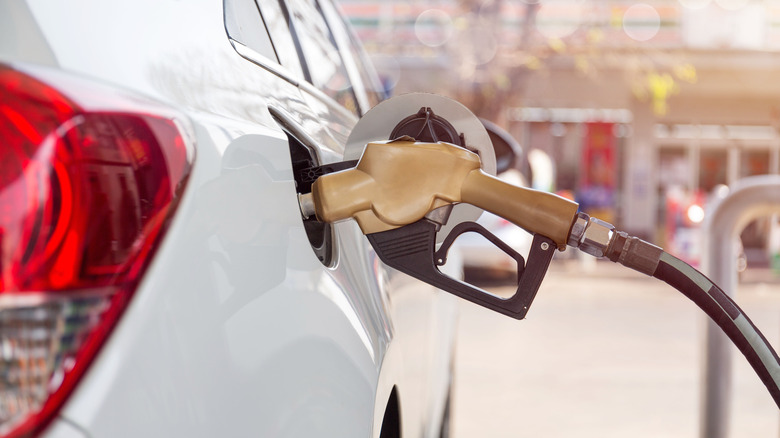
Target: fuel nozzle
{"points": [[399, 182], [400, 193], [397, 186]]}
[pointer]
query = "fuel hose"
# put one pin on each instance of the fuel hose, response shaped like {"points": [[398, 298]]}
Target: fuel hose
{"points": [[727, 315], [600, 239]]}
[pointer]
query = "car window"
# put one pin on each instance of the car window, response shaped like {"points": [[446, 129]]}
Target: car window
{"points": [[365, 82], [373, 87], [275, 21], [321, 55], [245, 25]]}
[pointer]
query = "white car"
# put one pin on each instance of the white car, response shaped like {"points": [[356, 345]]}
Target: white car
{"points": [[156, 275]]}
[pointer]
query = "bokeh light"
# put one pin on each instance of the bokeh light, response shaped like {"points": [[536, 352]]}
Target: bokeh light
{"points": [[433, 27], [558, 19], [484, 43], [641, 22], [695, 213]]}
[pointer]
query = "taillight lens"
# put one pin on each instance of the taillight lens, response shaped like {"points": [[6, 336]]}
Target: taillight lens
{"points": [[85, 194]]}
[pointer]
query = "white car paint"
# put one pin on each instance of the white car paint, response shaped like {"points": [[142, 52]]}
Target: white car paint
{"points": [[237, 329]]}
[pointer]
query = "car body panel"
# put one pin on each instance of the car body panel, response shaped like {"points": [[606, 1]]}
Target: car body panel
{"points": [[64, 429], [237, 329], [243, 346]]}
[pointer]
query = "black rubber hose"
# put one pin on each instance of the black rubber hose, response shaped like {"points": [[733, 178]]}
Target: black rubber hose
{"points": [[729, 317]]}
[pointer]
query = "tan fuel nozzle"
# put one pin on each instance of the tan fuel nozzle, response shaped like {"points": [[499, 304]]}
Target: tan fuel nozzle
{"points": [[397, 183]]}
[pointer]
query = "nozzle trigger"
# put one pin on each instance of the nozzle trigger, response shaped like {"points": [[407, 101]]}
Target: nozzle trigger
{"points": [[412, 249]]}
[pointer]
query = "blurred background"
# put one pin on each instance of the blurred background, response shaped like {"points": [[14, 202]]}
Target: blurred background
{"points": [[643, 112], [640, 111]]}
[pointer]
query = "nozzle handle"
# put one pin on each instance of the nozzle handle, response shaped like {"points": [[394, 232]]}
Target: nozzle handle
{"points": [[399, 182], [412, 249], [535, 211]]}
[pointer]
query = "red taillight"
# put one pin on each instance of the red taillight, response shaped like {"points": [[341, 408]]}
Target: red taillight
{"points": [[84, 196]]}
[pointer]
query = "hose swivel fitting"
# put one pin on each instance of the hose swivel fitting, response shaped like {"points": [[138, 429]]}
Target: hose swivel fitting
{"points": [[600, 239], [634, 253], [591, 235]]}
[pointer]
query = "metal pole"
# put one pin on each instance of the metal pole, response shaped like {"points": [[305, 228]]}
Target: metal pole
{"points": [[748, 199]]}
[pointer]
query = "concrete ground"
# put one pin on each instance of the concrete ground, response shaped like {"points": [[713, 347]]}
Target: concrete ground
{"points": [[604, 352]]}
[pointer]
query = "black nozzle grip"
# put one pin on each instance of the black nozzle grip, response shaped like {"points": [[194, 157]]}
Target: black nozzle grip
{"points": [[412, 249]]}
